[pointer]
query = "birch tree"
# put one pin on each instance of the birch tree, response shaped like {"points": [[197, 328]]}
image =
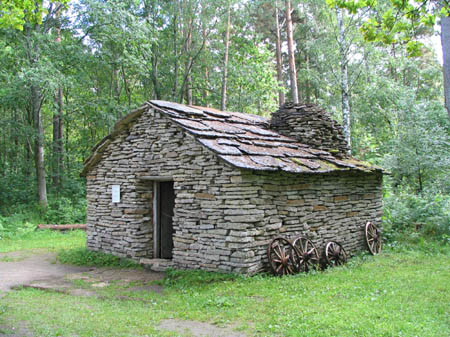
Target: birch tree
{"points": [[291, 55], [278, 55], [445, 42], [223, 102], [343, 60]]}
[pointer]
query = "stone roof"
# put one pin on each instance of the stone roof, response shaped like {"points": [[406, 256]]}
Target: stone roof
{"points": [[242, 140]]}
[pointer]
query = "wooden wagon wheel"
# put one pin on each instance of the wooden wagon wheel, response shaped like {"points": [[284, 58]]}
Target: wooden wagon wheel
{"points": [[335, 254], [308, 255], [281, 256], [373, 238]]}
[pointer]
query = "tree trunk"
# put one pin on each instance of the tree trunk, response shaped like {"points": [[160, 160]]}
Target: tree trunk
{"points": [[445, 41], [3, 154], [36, 103], [126, 86], [344, 79], [36, 100], [223, 103], [175, 51], [16, 144], [154, 74], [205, 91], [307, 89], [278, 56], [58, 146], [189, 99], [188, 26], [26, 169], [290, 40], [149, 8]]}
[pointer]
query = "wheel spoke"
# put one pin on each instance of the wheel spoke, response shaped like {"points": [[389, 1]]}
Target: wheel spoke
{"points": [[373, 238], [282, 256], [277, 251], [335, 253], [279, 267], [331, 249]]}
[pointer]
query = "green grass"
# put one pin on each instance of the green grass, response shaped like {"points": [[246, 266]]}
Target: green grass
{"points": [[44, 239], [83, 257], [403, 292]]}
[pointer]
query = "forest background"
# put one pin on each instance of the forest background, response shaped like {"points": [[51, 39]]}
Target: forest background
{"points": [[70, 69]]}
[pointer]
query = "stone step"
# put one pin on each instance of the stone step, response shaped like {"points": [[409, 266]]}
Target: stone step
{"points": [[156, 264]]}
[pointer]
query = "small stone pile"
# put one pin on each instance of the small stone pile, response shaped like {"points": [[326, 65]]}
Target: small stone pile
{"points": [[310, 125]]}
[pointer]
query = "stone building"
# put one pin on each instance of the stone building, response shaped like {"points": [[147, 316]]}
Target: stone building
{"points": [[194, 187]]}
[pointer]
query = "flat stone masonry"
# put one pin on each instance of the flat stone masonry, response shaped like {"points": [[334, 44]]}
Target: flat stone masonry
{"points": [[310, 125], [224, 217]]}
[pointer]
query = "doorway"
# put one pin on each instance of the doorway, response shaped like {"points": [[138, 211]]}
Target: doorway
{"points": [[164, 202]]}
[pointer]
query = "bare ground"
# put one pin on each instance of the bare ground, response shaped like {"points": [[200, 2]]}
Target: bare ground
{"points": [[41, 271], [192, 328]]}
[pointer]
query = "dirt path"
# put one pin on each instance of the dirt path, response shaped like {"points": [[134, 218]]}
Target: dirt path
{"points": [[39, 270], [32, 268]]}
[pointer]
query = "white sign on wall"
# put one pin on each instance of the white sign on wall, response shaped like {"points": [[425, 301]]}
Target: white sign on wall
{"points": [[115, 193]]}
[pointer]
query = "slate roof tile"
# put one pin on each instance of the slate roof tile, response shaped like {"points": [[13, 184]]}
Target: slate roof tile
{"points": [[192, 124], [223, 127], [219, 148], [242, 140], [246, 163], [245, 141]]}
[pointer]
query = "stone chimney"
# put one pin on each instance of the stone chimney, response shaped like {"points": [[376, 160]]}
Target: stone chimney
{"points": [[312, 126]]}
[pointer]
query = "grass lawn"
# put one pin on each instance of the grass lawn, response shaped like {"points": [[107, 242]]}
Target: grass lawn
{"points": [[402, 292], [44, 239]]}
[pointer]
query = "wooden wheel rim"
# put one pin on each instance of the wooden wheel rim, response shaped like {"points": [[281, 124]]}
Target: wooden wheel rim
{"points": [[308, 255], [281, 255], [373, 238], [335, 254]]}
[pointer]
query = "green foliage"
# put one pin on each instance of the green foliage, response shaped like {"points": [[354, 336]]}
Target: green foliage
{"points": [[20, 214], [85, 257], [15, 225], [395, 21], [15, 13], [111, 56], [418, 154], [425, 215], [63, 210]]}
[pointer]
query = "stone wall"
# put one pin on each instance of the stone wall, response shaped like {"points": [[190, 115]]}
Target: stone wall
{"points": [[320, 207], [310, 125], [154, 146], [224, 217]]}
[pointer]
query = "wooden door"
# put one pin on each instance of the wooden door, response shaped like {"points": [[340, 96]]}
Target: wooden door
{"points": [[166, 204]]}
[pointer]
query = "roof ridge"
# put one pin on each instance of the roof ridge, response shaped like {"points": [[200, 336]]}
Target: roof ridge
{"points": [[242, 140]]}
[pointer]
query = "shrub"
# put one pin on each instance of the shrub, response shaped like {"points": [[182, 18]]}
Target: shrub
{"points": [[63, 210], [427, 215], [15, 225]]}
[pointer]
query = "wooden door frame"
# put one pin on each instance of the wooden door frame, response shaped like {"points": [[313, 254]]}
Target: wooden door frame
{"points": [[156, 215]]}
